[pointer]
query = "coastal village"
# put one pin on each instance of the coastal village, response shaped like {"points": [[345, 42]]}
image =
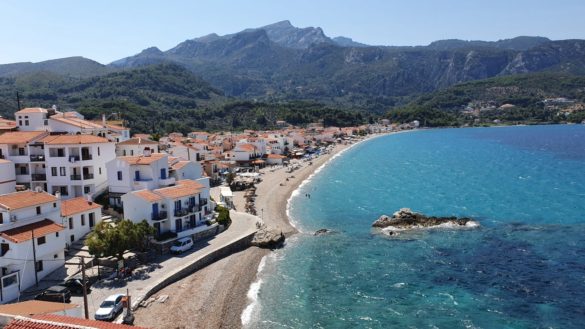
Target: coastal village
{"points": [[65, 181]]}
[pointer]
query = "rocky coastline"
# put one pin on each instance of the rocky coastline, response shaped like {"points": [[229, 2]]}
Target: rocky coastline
{"points": [[406, 219]]}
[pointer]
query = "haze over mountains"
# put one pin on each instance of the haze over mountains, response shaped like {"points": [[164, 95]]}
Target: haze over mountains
{"points": [[280, 62]]}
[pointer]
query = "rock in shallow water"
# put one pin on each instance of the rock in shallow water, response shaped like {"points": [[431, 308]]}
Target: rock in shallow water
{"points": [[405, 219], [268, 239], [323, 231]]}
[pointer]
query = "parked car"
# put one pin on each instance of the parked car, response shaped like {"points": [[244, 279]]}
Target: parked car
{"points": [[182, 245], [75, 285], [110, 308], [57, 294]]}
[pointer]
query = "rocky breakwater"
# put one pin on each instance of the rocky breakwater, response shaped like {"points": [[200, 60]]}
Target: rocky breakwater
{"points": [[268, 239], [406, 219]]}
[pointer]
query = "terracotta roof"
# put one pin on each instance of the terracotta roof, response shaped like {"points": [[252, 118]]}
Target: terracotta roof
{"points": [[7, 124], [148, 195], [116, 127], [77, 122], [31, 307], [77, 205], [24, 233], [53, 321], [138, 141], [180, 164], [183, 188], [246, 147], [32, 110], [21, 137], [74, 139], [143, 160], [18, 200], [275, 156]]}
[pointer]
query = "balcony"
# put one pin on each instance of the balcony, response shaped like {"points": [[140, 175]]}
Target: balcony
{"points": [[88, 176], [38, 177], [85, 157], [75, 177], [181, 212], [162, 215], [166, 181], [37, 158]]}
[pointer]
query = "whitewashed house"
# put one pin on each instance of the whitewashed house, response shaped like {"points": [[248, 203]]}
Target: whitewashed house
{"points": [[131, 173], [136, 146], [31, 240], [7, 177], [176, 211], [76, 164], [79, 216]]}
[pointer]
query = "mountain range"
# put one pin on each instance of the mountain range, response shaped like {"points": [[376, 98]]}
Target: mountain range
{"points": [[281, 63]]}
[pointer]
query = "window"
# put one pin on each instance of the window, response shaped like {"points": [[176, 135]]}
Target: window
{"points": [[119, 175], [41, 240], [38, 210], [70, 223], [46, 122], [56, 234], [54, 204], [98, 151], [23, 170], [86, 189], [1, 218], [124, 152], [62, 171], [53, 171], [100, 170], [60, 152], [39, 266], [82, 220], [21, 151], [72, 238], [26, 122], [20, 122], [5, 248], [131, 152]]}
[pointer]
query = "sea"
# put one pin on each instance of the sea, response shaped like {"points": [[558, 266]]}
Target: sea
{"points": [[524, 267]]}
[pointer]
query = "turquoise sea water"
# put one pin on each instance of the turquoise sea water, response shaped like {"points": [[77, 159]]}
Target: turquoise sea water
{"points": [[524, 268]]}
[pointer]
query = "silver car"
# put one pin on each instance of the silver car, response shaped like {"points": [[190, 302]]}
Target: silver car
{"points": [[110, 308]]}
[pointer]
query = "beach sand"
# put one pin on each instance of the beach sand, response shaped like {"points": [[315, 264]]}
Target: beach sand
{"points": [[215, 296]]}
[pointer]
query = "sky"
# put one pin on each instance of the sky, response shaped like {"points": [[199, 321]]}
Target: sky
{"points": [[108, 30]]}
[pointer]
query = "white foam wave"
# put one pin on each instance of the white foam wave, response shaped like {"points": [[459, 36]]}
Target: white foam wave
{"points": [[252, 294], [446, 226]]}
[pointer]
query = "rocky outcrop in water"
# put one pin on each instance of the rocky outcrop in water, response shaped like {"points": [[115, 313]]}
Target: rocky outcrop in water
{"points": [[268, 239], [405, 219], [323, 231]]}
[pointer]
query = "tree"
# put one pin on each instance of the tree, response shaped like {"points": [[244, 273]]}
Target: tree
{"points": [[229, 178], [112, 240]]}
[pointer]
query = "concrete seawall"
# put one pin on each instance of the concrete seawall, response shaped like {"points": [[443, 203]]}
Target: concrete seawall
{"points": [[193, 266]]}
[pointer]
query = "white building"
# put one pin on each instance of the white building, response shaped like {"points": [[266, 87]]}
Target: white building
{"points": [[7, 177], [136, 146], [181, 210], [76, 164], [79, 216], [131, 173], [31, 240], [33, 119]]}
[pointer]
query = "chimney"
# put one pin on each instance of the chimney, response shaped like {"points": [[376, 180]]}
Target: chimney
{"points": [[58, 195], [146, 152], [88, 198]]}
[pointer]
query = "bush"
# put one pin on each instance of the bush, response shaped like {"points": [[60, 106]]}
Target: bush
{"points": [[223, 217]]}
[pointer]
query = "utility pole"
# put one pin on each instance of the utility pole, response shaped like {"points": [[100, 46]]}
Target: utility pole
{"points": [[18, 100], [83, 282], [35, 257]]}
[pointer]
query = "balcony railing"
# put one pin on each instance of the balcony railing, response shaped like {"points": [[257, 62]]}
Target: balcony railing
{"points": [[37, 158], [88, 176], [160, 216], [86, 157], [39, 177], [181, 212], [75, 177]]}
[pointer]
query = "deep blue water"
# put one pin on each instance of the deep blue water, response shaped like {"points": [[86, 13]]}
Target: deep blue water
{"points": [[524, 268]]}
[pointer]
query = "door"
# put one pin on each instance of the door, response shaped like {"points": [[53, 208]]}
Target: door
{"points": [[137, 175], [163, 173], [91, 220], [155, 211], [179, 225]]}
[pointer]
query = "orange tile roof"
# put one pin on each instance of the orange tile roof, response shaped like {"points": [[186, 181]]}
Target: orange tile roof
{"points": [[275, 156], [77, 205], [180, 164], [21, 137], [148, 195], [79, 322], [143, 160], [18, 200], [77, 122], [246, 147], [183, 188], [31, 307], [74, 139], [32, 110], [138, 141], [24, 233], [6, 124]]}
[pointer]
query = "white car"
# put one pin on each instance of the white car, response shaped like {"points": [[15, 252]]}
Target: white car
{"points": [[182, 245], [110, 308]]}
